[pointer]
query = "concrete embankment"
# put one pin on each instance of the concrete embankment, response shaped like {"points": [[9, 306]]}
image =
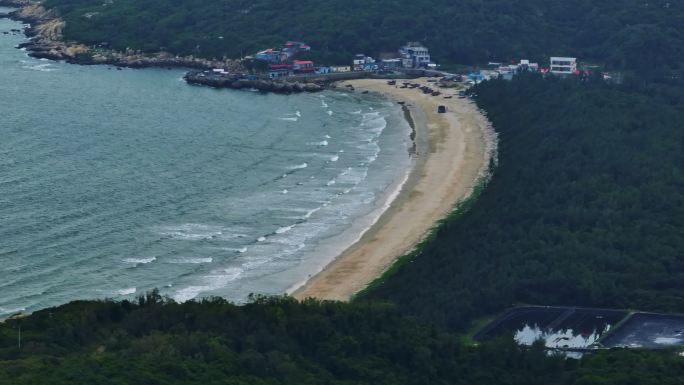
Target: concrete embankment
{"points": [[285, 85], [207, 78]]}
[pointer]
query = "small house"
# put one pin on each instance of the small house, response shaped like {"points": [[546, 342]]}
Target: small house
{"points": [[414, 55], [563, 65], [303, 66], [279, 70]]}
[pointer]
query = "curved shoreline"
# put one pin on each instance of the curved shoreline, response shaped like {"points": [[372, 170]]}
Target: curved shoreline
{"points": [[455, 157]]}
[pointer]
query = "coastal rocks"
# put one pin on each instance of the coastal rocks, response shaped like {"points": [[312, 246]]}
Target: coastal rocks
{"points": [[235, 81], [47, 41]]}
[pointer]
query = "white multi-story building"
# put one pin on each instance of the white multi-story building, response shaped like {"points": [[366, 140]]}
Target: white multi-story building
{"points": [[414, 55], [563, 65]]}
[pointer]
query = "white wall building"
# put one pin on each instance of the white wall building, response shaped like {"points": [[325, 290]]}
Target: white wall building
{"points": [[414, 55], [563, 65]]}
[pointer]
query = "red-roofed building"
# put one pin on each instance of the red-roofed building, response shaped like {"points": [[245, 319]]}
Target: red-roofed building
{"points": [[303, 66]]}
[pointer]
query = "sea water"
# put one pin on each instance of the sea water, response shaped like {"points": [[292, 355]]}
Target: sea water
{"points": [[115, 182]]}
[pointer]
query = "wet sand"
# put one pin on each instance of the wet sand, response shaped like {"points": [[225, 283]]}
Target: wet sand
{"points": [[452, 155]]}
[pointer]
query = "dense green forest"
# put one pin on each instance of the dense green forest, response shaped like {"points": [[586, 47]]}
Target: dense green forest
{"points": [[619, 33], [282, 341], [586, 207]]}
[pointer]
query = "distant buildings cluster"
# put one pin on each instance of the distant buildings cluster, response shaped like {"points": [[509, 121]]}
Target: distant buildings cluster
{"points": [[284, 53], [559, 66], [412, 55], [282, 62]]}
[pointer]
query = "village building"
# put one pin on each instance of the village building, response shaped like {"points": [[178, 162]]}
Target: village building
{"points": [[563, 65], [390, 64], [415, 55], [272, 56], [279, 70], [303, 66], [508, 71], [362, 62], [340, 69], [289, 50]]}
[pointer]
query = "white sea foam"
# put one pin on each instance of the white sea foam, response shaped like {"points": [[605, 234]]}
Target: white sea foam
{"points": [[667, 340], [299, 166], [12, 310], [191, 260], [335, 158], [40, 67], [285, 191], [356, 112], [284, 229], [140, 261], [330, 182], [299, 114], [321, 143], [290, 119], [324, 104], [310, 213], [191, 231], [240, 250], [327, 136], [215, 281], [261, 239], [329, 112], [126, 291], [255, 262]]}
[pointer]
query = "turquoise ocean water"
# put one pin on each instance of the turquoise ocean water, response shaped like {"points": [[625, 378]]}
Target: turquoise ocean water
{"points": [[116, 182]]}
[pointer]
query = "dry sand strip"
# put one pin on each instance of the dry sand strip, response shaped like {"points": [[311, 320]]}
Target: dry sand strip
{"points": [[450, 163]]}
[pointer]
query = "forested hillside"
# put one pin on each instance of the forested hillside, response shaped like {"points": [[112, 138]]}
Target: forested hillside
{"points": [[284, 342], [586, 207], [619, 33]]}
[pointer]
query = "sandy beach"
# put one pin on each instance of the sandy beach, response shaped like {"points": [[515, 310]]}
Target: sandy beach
{"points": [[453, 154]]}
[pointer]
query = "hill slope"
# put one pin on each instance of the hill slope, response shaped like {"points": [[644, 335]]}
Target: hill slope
{"points": [[586, 207], [620, 33]]}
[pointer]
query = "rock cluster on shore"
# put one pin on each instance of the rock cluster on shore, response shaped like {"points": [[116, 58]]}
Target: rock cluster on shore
{"points": [[238, 81], [46, 41]]}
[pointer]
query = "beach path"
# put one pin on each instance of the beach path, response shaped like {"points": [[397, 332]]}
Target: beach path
{"points": [[454, 156]]}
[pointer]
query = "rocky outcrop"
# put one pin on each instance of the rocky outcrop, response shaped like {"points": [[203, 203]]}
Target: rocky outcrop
{"points": [[208, 78], [47, 41]]}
